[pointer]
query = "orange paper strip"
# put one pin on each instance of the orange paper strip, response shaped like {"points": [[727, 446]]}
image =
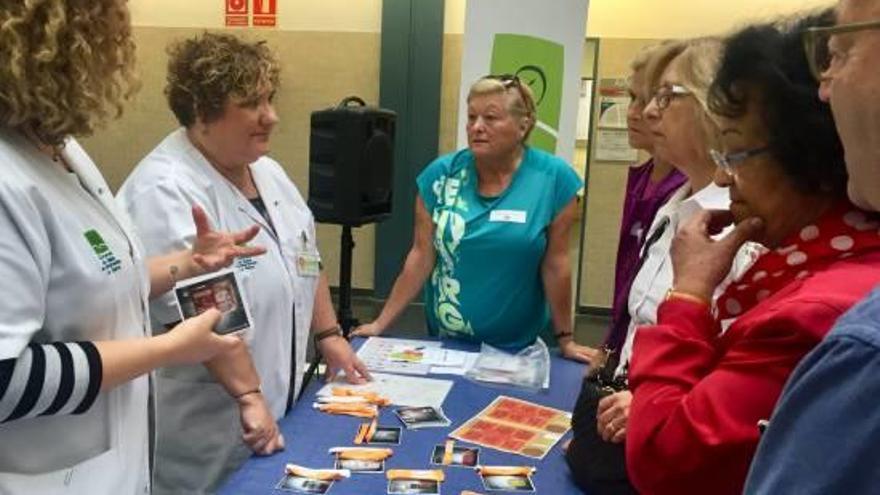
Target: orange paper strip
{"points": [[359, 410], [372, 397], [447, 452], [505, 470], [362, 453], [415, 474], [361, 433], [371, 429], [317, 474]]}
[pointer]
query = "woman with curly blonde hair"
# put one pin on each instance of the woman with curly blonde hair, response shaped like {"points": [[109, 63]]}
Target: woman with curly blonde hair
{"points": [[221, 90], [75, 344]]}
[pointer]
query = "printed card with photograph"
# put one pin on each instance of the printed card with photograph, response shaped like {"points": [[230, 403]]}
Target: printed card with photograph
{"points": [[508, 483], [422, 417], [407, 486], [361, 465], [297, 484], [220, 290], [459, 457], [386, 435]]}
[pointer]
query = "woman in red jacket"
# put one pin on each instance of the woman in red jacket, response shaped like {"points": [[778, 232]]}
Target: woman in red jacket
{"points": [[700, 391]]}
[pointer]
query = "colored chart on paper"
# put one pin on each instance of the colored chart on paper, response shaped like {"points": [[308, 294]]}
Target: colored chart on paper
{"points": [[377, 352], [516, 426]]}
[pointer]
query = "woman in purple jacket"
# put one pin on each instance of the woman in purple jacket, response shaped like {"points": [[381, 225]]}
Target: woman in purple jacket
{"points": [[648, 186]]}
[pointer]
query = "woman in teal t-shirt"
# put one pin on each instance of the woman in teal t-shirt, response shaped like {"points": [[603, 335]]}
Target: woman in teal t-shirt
{"points": [[491, 232]]}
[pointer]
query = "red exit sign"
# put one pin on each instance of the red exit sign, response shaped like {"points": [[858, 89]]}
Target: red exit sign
{"points": [[240, 12]]}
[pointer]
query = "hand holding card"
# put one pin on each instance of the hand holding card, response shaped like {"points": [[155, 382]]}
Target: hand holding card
{"points": [[219, 290]]}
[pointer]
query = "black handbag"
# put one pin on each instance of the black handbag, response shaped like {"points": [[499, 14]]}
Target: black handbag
{"points": [[598, 467]]}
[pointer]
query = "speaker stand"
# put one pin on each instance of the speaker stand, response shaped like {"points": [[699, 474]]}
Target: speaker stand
{"points": [[346, 320], [343, 312]]}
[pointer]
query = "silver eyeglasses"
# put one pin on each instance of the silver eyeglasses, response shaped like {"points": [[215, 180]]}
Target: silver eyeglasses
{"points": [[727, 161]]}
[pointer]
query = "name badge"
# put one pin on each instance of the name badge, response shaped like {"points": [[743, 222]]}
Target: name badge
{"points": [[308, 265], [509, 216]]}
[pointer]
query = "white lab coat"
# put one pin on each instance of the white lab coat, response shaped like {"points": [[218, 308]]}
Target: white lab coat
{"points": [[654, 278], [199, 434], [54, 290]]}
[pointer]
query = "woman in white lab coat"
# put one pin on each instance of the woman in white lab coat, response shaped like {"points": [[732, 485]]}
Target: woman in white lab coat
{"points": [[75, 346], [220, 89]]}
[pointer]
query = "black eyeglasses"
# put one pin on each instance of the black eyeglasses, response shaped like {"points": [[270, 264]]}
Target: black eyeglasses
{"points": [[665, 94], [816, 41], [512, 81], [727, 161]]}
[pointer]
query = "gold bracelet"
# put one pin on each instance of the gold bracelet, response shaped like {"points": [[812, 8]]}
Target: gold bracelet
{"points": [[676, 294]]}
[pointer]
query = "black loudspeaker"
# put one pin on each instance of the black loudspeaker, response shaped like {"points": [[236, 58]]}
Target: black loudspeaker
{"points": [[351, 155]]}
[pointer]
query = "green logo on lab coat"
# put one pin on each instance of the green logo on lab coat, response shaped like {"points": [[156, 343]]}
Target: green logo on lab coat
{"points": [[109, 262]]}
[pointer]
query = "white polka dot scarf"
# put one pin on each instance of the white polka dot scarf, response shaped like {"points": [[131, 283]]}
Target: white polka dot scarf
{"points": [[840, 233]]}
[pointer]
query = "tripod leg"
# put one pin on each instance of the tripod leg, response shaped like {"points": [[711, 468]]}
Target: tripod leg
{"points": [[346, 319]]}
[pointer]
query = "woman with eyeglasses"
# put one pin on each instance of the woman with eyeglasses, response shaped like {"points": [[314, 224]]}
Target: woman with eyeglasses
{"points": [[679, 75], [491, 232], [648, 187], [700, 391], [683, 133]]}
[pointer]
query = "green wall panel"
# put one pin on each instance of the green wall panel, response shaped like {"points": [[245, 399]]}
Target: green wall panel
{"points": [[409, 84]]}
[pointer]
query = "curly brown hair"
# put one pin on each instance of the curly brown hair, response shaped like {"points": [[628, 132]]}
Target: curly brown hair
{"points": [[66, 66], [204, 71]]}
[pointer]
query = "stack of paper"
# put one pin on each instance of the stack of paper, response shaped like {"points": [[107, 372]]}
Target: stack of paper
{"points": [[401, 390], [449, 362], [414, 357], [396, 355]]}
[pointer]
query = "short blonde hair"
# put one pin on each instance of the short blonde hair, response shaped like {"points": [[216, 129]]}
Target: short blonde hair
{"points": [[522, 106], [695, 68], [643, 56], [68, 65], [654, 61], [204, 71]]}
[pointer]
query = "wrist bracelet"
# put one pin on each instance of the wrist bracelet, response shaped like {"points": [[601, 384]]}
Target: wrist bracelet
{"points": [[674, 294], [249, 392], [330, 332]]}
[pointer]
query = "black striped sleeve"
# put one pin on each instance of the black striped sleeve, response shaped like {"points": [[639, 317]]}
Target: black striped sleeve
{"points": [[53, 379], [96, 373]]}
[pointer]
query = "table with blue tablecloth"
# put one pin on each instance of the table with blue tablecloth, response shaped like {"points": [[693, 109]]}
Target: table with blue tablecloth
{"points": [[309, 433]]}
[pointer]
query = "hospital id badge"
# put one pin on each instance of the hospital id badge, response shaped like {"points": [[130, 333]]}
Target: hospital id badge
{"points": [[308, 265]]}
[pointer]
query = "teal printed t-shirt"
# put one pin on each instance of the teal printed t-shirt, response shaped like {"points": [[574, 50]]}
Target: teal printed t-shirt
{"points": [[486, 284]]}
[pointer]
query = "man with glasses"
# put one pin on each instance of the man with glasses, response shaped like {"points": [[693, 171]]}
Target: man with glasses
{"points": [[825, 434]]}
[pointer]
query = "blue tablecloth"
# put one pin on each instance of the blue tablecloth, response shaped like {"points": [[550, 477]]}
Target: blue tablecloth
{"points": [[309, 433]]}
